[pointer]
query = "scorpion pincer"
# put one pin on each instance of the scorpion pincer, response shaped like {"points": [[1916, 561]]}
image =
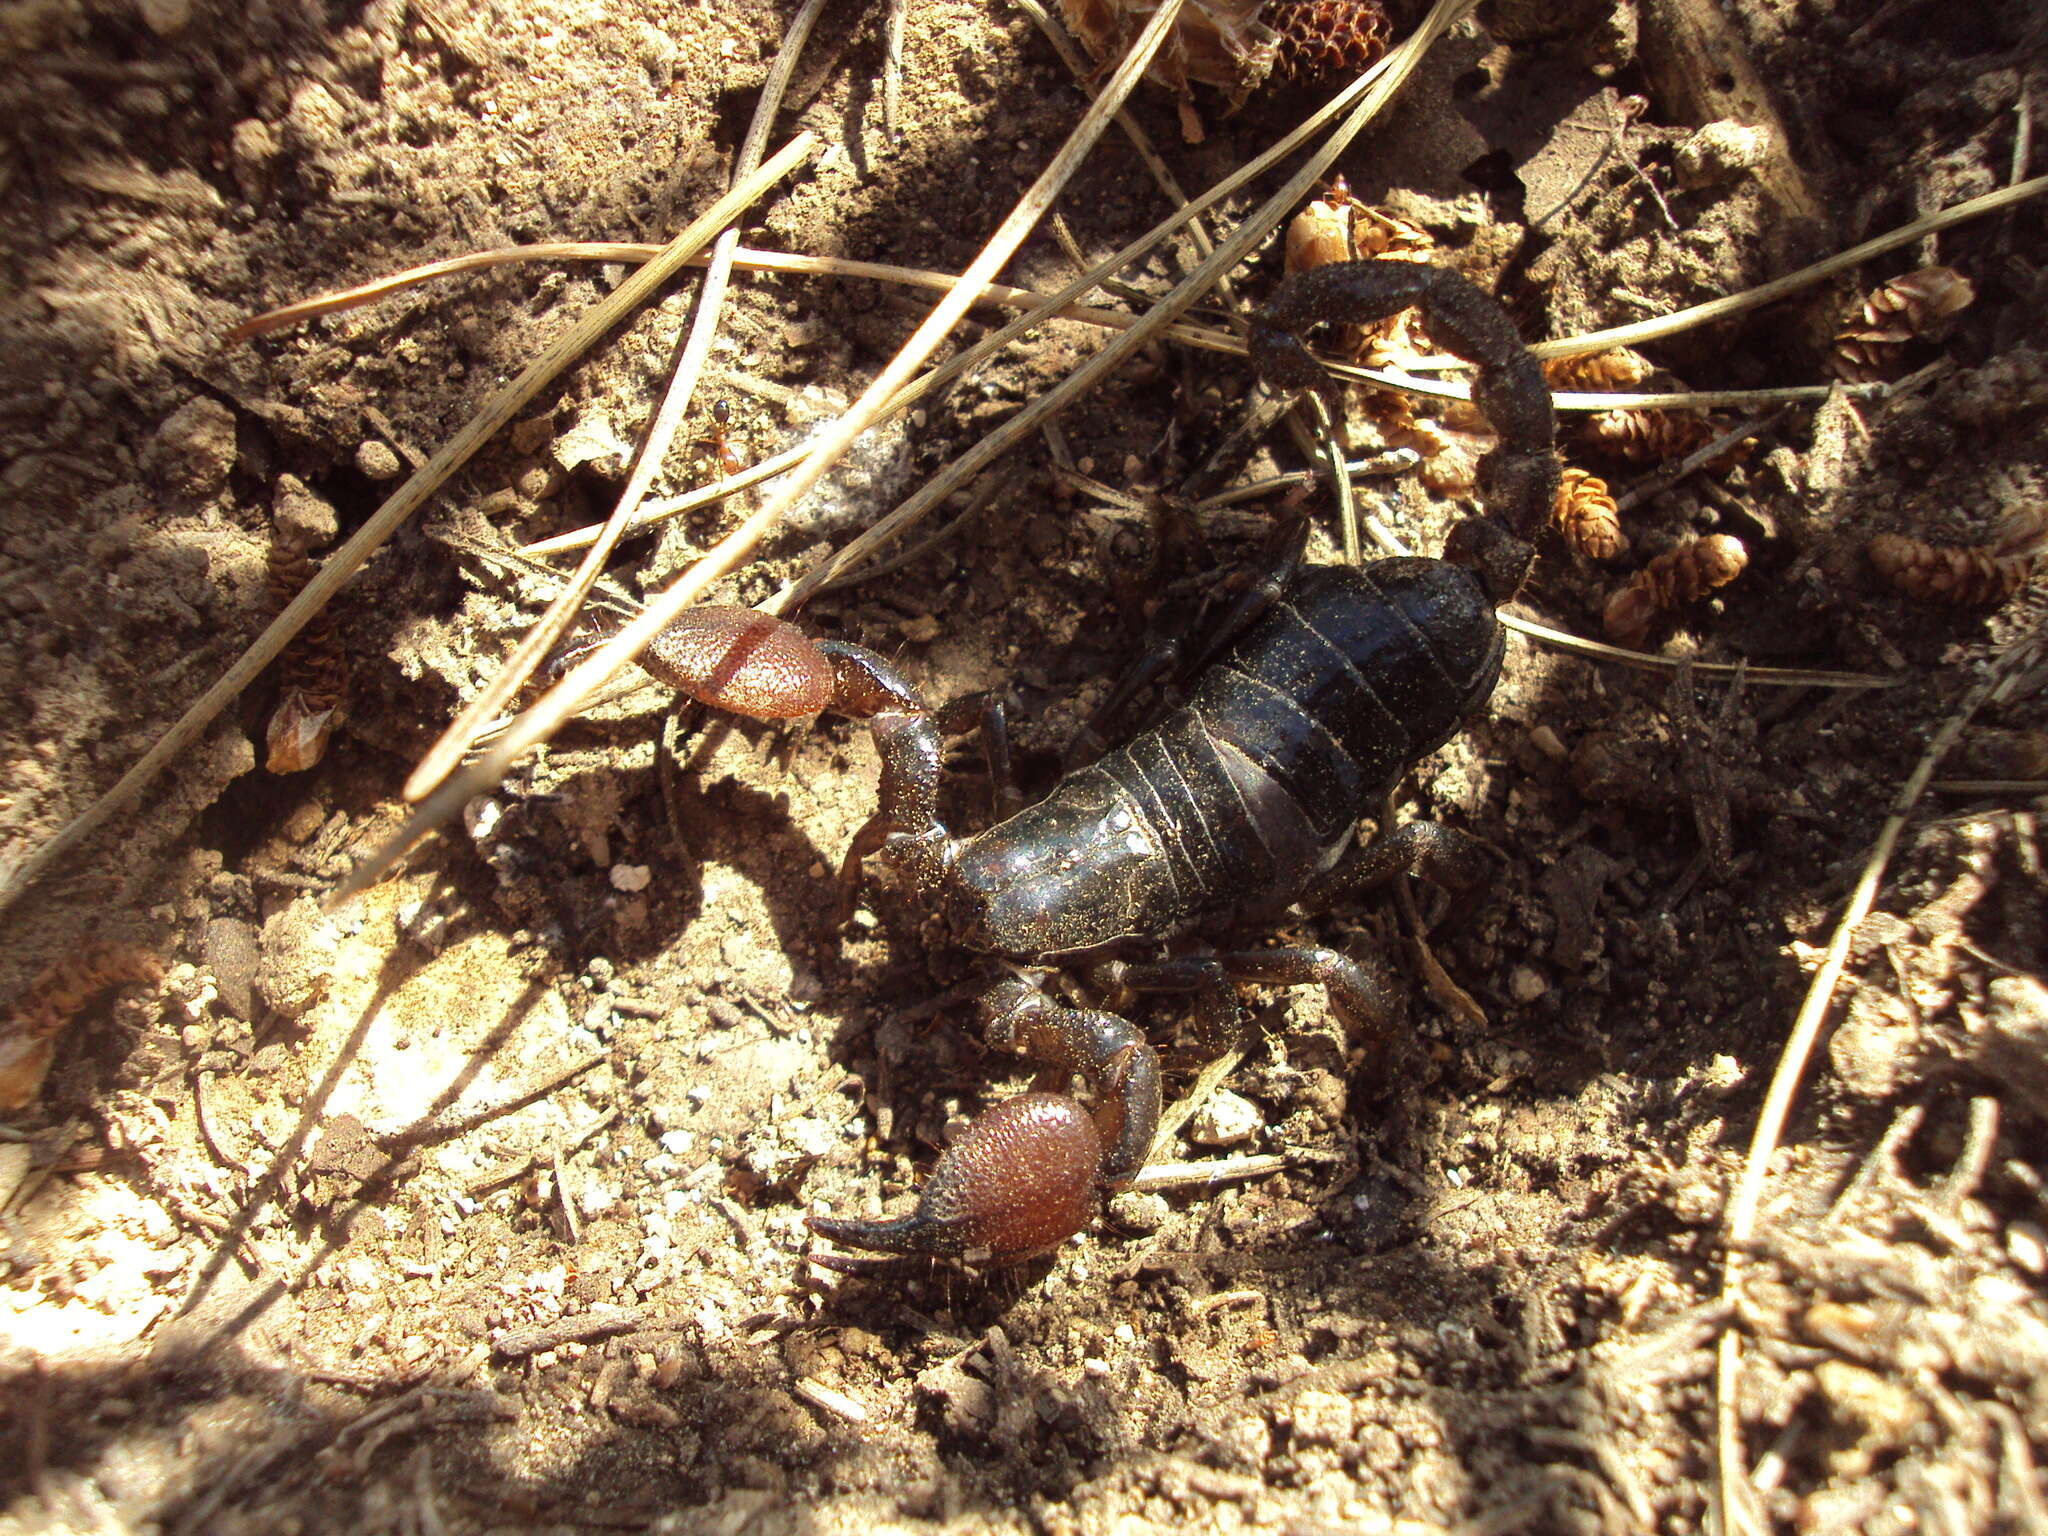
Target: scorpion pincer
{"points": [[1244, 798]]}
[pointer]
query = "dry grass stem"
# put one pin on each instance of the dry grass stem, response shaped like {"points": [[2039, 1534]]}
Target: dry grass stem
{"points": [[340, 566], [563, 700], [1392, 72], [443, 756], [1778, 288], [1735, 1495], [1777, 677]]}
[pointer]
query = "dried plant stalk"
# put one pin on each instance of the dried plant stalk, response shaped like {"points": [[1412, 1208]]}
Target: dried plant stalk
{"points": [[1872, 348], [1587, 517], [1671, 581]]}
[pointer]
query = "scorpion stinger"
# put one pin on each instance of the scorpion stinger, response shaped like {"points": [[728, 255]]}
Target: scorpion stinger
{"points": [[1518, 479]]}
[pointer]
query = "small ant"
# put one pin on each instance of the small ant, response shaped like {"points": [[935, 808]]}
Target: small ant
{"points": [[729, 462]]}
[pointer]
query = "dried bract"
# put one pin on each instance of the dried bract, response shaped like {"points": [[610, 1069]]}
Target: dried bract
{"points": [[1587, 517], [1234, 45], [1871, 349], [1671, 581], [1221, 43]]}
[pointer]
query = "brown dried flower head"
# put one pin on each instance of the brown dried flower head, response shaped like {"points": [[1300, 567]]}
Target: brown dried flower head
{"points": [[1322, 38], [1671, 581]]}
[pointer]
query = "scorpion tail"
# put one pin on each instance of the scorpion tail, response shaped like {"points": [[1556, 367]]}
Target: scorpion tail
{"points": [[1021, 1179]]}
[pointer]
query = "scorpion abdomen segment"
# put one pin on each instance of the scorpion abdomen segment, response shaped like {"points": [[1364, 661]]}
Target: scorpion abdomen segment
{"points": [[1353, 677]]}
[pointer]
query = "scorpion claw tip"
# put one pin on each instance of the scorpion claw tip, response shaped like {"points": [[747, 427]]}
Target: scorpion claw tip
{"points": [[1020, 1180]]}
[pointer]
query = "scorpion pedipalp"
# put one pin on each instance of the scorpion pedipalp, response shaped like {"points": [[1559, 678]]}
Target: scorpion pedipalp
{"points": [[1022, 1176], [742, 660], [1021, 1179]]}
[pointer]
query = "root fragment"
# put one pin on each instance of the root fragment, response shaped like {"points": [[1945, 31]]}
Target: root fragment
{"points": [[1671, 581]]}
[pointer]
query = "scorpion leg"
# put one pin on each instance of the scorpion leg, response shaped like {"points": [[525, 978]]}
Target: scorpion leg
{"points": [[1518, 479], [1444, 856], [1022, 1177], [1359, 991]]}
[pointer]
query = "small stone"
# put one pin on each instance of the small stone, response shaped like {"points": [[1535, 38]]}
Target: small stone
{"points": [[165, 17], [253, 144], [195, 448], [304, 519], [1322, 1418], [1249, 1440], [592, 441], [1226, 1120], [1526, 984], [630, 877], [315, 118], [232, 954], [1138, 1211], [2027, 1246], [1720, 152], [378, 461]]}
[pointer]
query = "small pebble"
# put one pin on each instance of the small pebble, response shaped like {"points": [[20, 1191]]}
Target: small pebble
{"points": [[166, 17], [2027, 1246], [379, 461], [1721, 151], [1138, 1210], [1226, 1120], [1526, 984], [630, 877]]}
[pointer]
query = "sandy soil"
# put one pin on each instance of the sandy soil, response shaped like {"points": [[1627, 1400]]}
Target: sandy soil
{"points": [[478, 1203]]}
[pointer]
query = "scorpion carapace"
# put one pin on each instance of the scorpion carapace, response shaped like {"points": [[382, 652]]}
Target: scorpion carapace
{"points": [[1243, 799]]}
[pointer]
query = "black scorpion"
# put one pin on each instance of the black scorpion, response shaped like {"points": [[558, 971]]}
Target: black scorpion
{"points": [[1244, 798]]}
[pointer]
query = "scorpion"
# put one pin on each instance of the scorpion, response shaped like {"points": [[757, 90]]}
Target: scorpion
{"points": [[1243, 799]]}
